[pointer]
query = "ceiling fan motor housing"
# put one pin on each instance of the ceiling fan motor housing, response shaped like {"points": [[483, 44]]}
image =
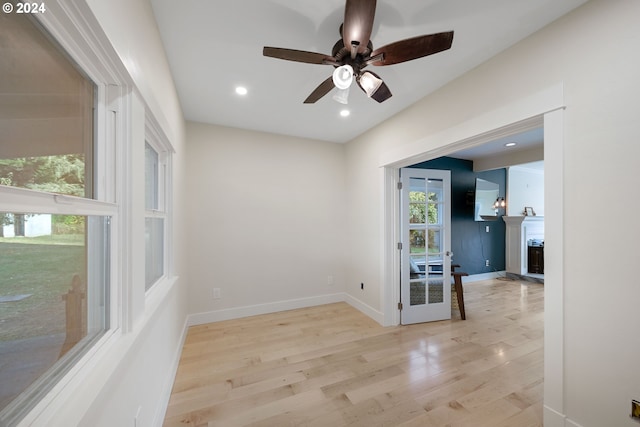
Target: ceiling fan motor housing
{"points": [[342, 55]]}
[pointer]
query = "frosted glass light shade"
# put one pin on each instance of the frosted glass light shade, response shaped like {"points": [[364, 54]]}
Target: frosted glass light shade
{"points": [[343, 76], [370, 83], [342, 96]]}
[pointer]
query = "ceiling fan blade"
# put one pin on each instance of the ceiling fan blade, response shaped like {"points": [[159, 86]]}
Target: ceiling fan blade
{"points": [[358, 23], [296, 55], [323, 89], [414, 48]]}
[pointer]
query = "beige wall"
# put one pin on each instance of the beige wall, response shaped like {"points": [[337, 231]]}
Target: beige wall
{"points": [[593, 53], [525, 187], [266, 217]]}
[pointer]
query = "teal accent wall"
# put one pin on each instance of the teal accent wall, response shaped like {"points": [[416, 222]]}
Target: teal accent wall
{"points": [[470, 243]]}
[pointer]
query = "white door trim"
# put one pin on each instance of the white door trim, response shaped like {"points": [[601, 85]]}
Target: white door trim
{"points": [[542, 108]]}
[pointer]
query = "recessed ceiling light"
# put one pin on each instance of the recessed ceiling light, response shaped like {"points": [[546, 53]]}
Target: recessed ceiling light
{"points": [[241, 90], [510, 144], [345, 113]]}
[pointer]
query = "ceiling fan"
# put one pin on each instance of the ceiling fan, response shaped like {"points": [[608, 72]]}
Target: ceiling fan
{"points": [[354, 51]]}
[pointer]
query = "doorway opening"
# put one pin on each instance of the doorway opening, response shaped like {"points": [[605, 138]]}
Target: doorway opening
{"points": [[548, 113]]}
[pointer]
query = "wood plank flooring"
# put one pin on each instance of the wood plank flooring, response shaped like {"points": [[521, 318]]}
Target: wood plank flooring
{"points": [[333, 366]]}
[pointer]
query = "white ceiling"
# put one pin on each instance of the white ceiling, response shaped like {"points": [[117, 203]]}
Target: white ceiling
{"points": [[213, 46], [527, 140]]}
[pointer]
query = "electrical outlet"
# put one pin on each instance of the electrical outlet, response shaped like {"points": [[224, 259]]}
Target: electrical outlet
{"points": [[486, 228], [486, 263], [216, 293], [330, 280]]}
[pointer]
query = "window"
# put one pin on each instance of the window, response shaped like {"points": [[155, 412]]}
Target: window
{"points": [[55, 227], [46, 113], [156, 197], [151, 178], [54, 301]]}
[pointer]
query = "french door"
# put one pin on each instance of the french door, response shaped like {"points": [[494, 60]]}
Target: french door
{"points": [[425, 282]]}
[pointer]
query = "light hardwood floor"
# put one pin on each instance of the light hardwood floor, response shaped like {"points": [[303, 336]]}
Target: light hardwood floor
{"points": [[333, 366]]}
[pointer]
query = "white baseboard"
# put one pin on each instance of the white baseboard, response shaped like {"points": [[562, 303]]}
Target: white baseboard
{"points": [[274, 307], [171, 378], [254, 310], [364, 308], [483, 276], [553, 418]]}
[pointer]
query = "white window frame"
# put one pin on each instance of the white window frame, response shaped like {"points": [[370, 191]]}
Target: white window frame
{"points": [[73, 26], [158, 141]]}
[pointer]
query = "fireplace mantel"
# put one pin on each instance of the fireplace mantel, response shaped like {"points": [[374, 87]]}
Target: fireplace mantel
{"points": [[519, 219], [519, 230]]}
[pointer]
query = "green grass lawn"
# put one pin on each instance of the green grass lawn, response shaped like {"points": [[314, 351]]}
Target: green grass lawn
{"points": [[54, 239], [43, 267]]}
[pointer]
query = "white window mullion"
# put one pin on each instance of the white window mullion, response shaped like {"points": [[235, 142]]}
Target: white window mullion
{"points": [[25, 200]]}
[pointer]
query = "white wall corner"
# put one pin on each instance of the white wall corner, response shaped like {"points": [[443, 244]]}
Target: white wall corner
{"points": [[553, 418], [376, 315], [571, 423]]}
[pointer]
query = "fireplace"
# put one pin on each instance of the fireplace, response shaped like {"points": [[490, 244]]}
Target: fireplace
{"points": [[519, 232], [535, 256]]}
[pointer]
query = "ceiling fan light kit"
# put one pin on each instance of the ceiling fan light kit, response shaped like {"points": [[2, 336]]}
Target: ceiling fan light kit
{"points": [[369, 82], [343, 76], [354, 51], [342, 96]]}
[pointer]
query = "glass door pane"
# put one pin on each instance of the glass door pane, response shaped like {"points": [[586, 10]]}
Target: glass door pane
{"points": [[418, 240]]}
